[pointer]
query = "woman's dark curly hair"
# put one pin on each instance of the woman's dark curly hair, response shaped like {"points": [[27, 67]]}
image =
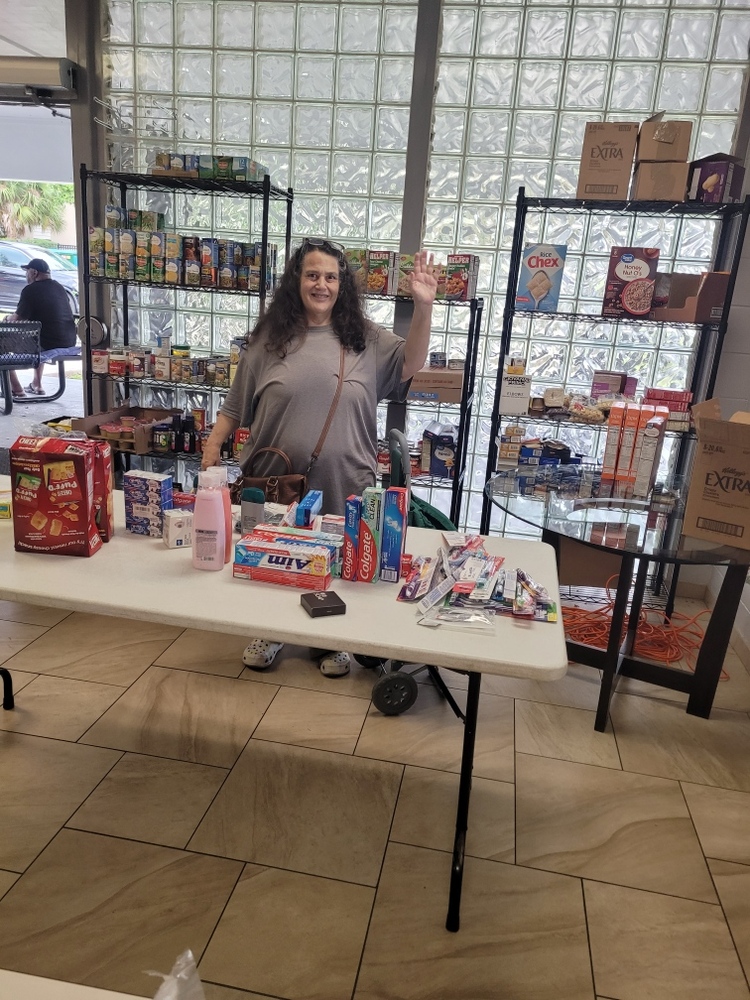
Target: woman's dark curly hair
{"points": [[284, 321]]}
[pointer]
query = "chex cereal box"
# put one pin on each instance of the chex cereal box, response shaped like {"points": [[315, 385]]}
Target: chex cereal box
{"points": [[541, 277], [291, 565], [52, 483], [353, 513], [395, 513], [370, 534]]}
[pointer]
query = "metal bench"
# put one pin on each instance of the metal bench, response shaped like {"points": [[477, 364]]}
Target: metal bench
{"points": [[19, 349]]}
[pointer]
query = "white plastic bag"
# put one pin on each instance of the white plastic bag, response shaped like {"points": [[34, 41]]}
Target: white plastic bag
{"points": [[182, 983]]}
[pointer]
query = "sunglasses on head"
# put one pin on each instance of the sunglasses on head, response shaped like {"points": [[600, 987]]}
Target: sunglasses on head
{"points": [[328, 246]]}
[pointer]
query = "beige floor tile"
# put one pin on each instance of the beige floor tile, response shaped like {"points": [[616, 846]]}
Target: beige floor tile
{"points": [[426, 814], [31, 614], [722, 819], [650, 947], [605, 824], [58, 707], [313, 719], [293, 667], [7, 879], [188, 716], [579, 688], [97, 648], [14, 637], [43, 783], [21, 679], [523, 933], [291, 935], [732, 693], [206, 652], [430, 735], [308, 810], [150, 798], [658, 738], [214, 992], [563, 733], [112, 908], [733, 885]]}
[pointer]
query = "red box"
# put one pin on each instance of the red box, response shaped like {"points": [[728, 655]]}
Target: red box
{"points": [[104, 512], [54, 510], [631, 279]]}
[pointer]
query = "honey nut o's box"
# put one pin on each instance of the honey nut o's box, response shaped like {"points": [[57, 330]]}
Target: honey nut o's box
{"points": [[52, 480]]}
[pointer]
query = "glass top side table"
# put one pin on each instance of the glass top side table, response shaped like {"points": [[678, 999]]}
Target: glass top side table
{"points": [[562, 502]]}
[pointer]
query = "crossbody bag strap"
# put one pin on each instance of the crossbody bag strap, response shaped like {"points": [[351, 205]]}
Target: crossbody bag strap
{"points": [[329, 420]]}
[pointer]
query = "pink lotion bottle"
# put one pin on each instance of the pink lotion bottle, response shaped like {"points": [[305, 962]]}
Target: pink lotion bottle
{"points": [[218, 474], [208, 525]]}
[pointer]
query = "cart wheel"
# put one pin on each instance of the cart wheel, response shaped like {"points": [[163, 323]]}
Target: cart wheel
{"points": [[395, 693], [373, 662]]}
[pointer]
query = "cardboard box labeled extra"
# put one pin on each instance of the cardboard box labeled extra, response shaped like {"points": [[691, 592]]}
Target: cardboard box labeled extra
{"points": [[694, 298], [439, 385], [137, 439], [660, 182], [607, 160], [660, 141], [718, 504]]}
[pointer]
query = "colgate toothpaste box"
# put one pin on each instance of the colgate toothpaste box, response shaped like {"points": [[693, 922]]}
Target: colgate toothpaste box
{"points": [[292, 565], [370, 534], [351, 538], [53, 496], [395, 513]]}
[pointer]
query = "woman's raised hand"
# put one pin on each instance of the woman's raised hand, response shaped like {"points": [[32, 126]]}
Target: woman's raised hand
{"points": [[424, 278]]}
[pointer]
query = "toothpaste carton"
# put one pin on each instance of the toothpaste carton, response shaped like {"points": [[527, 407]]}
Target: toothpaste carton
{"points": [[304, 536], [307, 509], [395, 513], [291, 565], [370, 534], [178, 529], [351, 538]]}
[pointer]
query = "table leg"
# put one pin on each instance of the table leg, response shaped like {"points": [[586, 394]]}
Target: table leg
{"points": [[453, 918], [639, 591], [8, 700], [715, 642], [612, 656]]}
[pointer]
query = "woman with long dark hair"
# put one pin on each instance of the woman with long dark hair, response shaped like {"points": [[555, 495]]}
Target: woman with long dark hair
{"points": [[287, 377]]}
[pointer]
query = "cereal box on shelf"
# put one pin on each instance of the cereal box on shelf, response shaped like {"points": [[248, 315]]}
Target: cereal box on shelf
{"points": [[631, 280], [52, 482], [541, 277]]}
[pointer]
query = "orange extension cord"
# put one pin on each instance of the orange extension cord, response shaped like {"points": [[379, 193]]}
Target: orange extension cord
{"points": [[679, 640]]}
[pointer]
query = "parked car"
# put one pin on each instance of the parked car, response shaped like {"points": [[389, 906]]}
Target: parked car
{"points": [[13, 277]]}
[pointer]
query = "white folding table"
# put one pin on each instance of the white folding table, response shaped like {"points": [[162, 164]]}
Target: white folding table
{"points": [[139, 578]]}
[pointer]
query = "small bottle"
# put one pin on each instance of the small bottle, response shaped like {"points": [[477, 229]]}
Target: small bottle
{"points": [[188, 435], [252, 510], [177, 435], [208, 525], [218, 475]]}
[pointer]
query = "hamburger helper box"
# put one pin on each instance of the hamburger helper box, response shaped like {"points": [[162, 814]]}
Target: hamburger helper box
{"points": [[52, 481], [718, 503]]}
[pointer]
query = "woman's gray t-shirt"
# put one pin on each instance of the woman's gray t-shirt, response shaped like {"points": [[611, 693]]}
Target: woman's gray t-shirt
{"points": [[285, 403]]}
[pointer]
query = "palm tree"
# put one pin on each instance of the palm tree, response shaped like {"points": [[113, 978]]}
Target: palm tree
{"points": [[25, 205]]}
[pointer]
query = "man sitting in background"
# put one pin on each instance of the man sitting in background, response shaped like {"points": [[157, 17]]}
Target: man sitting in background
{"points": [[44, 301]]}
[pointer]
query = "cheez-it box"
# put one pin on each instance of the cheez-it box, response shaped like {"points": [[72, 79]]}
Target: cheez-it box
{"points": [[52, 480]]}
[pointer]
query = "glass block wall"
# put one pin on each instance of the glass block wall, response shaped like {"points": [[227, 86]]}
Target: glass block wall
{"points": [[320, 92]]}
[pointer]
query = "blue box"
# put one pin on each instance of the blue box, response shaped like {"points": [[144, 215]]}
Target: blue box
{"points": [[541, 277], [308, 508], [395, 516]]}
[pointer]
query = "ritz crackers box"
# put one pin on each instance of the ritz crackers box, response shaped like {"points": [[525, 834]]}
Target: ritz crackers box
{"points": [[53, 496]]}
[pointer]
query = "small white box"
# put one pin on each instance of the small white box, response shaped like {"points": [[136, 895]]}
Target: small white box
{"points": [[515, 394], [178, 529]]}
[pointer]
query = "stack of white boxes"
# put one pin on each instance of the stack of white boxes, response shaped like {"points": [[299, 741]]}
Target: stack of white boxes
{"points": [[147, 496]]}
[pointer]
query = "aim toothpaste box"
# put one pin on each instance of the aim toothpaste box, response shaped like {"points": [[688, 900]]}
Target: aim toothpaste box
{"points": [[351, 538], [291, 565], [395, 513], [371, 534]]}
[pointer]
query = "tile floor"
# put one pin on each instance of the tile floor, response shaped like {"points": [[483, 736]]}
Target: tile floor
{"points": [[156, 796]]}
